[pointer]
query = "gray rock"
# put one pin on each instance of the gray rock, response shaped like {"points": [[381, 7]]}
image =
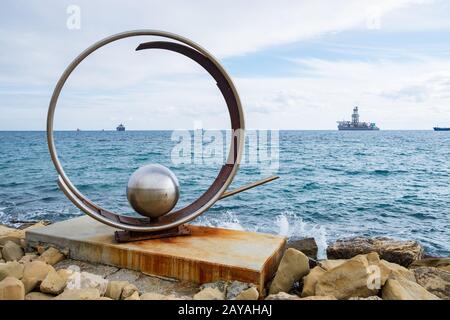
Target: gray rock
{"points": [[12, 251], [400, 252], [435, 280], [220, 285], [235, 288], [306, 245]]}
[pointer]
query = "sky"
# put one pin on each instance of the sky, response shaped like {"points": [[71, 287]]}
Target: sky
{"points": [[296, 64]]}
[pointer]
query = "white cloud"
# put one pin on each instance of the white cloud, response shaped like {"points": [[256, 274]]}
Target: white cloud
{"points": [[36, 47]]}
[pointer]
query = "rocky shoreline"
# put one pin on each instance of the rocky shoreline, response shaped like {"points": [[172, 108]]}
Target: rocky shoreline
{"points": [[356, 269]]}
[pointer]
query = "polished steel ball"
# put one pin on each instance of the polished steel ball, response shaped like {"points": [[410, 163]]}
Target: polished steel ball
{"points": [[153, 190]]}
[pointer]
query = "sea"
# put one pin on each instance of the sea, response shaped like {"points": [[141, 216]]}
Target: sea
{"points": [[332, 184]]}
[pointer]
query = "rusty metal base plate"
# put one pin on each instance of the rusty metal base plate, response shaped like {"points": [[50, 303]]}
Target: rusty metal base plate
{"points": [[206, 255], [130, 236]]}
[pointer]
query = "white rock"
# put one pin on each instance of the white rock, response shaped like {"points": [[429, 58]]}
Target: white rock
{"points": [[85, 280]]}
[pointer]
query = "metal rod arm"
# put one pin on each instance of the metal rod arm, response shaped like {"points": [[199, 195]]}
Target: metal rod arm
{"points": [[247, 187]]}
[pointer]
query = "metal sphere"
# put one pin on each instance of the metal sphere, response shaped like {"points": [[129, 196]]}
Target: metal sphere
{"points": [[153, 190]]}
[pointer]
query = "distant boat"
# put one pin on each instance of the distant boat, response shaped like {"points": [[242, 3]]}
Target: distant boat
{"points": [[355, 124], [441, 129], [78, 129], [120, 127]]}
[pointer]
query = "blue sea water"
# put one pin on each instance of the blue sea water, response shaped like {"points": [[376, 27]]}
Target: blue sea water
{"points": [[332, 184]]}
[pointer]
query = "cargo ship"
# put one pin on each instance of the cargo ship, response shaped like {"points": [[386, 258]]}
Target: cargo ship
{"points": [[355, 124], [441, 129], [120, 127]]}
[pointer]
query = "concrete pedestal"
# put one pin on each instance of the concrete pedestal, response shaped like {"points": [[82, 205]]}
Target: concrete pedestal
{"points": [[207, 255]]}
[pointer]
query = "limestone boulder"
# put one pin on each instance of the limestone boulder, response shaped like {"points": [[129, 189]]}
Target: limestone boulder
{"points": [[34, 273], [330, 263], [294, 265], [4, 230], [28, 257], [400, 252], [11, 289], [12, 251], [306, 245], [310, 281], [38, 296], [53, 283], [350, 279], [402, 289], [209, 294], [114, 289], [134, 296], [248, 294], [51, 256], [158, 296], [393, 270], [79, 294], [11, 269], [282, 296], [65, 274], [319, 298], [128, 290], [440, 263], [435, 280]]}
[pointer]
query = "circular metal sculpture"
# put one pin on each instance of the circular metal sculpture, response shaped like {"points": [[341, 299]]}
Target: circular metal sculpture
{"points": [[226, 174], [153, 190]]}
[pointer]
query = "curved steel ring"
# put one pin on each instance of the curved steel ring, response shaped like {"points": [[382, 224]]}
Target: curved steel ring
{"points": [[226, 174]]}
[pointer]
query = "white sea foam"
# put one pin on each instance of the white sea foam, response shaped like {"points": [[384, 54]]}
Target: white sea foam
{"points": [[287, 224], [292, 226]]}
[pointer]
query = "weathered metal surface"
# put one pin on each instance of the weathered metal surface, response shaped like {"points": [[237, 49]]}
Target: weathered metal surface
{"points": [[207, 255]]}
